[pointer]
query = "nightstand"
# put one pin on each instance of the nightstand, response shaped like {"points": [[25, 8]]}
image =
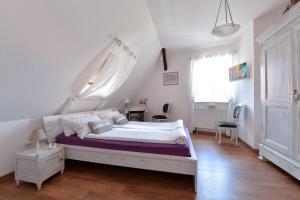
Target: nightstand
{"points": [[35, 166]]}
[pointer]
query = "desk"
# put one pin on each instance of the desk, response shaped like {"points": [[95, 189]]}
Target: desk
{"points": [[135, 113]]}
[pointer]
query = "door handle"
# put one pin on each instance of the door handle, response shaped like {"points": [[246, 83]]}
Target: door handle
{"points": [[294, 96]]}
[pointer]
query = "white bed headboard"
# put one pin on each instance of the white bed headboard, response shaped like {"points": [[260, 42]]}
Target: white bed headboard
{"points": [[53, 127]]}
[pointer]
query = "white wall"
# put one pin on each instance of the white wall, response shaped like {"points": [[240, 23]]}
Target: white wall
{"points": [[176, 95], [179, 95], [13, 136], [248, 91], [244, 89], [45, 46]]}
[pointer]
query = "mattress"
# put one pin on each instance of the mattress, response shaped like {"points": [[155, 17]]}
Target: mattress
{"points": [[176, 136], [143, 147], [151, 125]]}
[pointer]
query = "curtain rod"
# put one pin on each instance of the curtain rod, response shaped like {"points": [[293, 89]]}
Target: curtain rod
{"points": [[213, 54], [116, 38]]}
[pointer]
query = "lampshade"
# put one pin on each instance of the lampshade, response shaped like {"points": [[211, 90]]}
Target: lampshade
{"points": [[126, 101], [225, 30], [37, 135]]}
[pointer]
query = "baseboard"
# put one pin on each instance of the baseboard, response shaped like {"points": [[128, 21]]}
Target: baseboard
{"points": [[204, 130], [7, 176], [248, 146], [286, 163], [6, 172]]}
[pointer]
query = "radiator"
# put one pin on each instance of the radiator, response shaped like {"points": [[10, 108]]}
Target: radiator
{"points": [[206, 114]]}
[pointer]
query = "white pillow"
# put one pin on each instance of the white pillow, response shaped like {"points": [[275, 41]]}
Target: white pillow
{"points": [[81, 126], [53, 127], [109, 116], [101, 113], [68, 131], [120, 119]]}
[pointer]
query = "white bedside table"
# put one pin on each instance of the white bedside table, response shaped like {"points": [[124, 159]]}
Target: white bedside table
{"points": [[37, 166]]}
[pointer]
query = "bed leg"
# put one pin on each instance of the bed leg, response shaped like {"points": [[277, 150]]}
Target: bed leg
{"points": [[195, 183], [196, 177]]}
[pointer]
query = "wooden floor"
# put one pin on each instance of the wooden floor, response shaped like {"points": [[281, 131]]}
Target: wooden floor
{"points": [[225, 172]]}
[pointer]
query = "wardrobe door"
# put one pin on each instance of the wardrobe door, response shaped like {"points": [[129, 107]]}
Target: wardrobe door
{"points": [[277, 89], [296, 53]]}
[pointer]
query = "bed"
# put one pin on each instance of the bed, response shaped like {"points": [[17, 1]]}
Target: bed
{"points": [[173, 158]]}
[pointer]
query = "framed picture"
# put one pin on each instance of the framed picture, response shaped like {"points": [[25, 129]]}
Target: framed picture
{"points": [[238, 72], [170, 78]]}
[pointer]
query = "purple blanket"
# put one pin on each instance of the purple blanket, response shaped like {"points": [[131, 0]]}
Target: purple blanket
{"points": [[156, 148]]}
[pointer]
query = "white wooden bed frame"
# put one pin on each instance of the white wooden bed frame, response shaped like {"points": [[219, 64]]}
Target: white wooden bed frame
{"points": [[148, 161]]}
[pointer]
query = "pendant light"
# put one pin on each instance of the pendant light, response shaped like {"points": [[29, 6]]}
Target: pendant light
{"points": [[227, 29]]}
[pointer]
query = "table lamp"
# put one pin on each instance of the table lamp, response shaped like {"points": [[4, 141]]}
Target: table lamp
{"points": [[126, 102], [36, 136]]}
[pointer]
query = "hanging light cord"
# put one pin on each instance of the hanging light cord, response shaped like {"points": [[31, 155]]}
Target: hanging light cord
{"points": [[226, 1], [218, 12], [227, 10]]}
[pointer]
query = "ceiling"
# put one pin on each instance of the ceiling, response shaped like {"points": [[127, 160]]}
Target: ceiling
{"points": [[188, 24]]}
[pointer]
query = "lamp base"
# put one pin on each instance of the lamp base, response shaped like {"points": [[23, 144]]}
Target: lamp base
{"points": [[37, 146]]}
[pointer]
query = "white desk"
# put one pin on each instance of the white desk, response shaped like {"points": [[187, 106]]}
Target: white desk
{"points": [[135, 113]]}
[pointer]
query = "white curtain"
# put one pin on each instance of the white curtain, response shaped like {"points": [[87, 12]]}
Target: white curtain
{"points": [[112, 72], [114, 68], [210, 78]]}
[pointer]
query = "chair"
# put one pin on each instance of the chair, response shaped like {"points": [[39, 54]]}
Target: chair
{"points": [[231, 126], [163, 117]]}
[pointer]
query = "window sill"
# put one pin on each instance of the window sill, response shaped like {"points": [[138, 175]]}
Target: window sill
{"points": [[214, 102], [211, 105]]}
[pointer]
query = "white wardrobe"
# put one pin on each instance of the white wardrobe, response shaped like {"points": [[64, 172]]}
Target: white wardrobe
{"points": [[280, 84]]}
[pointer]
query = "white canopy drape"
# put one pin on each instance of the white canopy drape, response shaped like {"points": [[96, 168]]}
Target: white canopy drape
{"points": [[114, 68], [112, 72]]}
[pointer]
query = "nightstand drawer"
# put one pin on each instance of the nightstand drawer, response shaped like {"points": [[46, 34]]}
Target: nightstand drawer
{"points": [[51, 165], [26, 168]]}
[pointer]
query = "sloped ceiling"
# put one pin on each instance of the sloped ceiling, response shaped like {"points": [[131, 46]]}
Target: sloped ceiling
{"points": [[45, 45], [188, 24]]}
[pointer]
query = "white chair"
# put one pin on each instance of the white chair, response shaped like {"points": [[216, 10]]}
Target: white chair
{"points": [[230, 126]]}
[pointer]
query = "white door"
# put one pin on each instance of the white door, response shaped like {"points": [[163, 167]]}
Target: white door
{"points": [[277, 89], [296, 53]]}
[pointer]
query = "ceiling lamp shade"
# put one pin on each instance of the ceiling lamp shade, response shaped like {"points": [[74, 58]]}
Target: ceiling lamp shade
{"points": [[227, 29]]}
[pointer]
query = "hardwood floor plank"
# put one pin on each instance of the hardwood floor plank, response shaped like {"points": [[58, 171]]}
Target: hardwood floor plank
{"points": [[224, 173]]}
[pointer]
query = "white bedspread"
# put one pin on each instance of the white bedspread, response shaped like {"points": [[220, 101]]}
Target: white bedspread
{"points": [[167, 126], [164, 133]]}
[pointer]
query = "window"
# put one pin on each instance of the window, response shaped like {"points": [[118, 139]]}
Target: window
{"points": [[107, 72], [210, 78], [113, 71]]}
